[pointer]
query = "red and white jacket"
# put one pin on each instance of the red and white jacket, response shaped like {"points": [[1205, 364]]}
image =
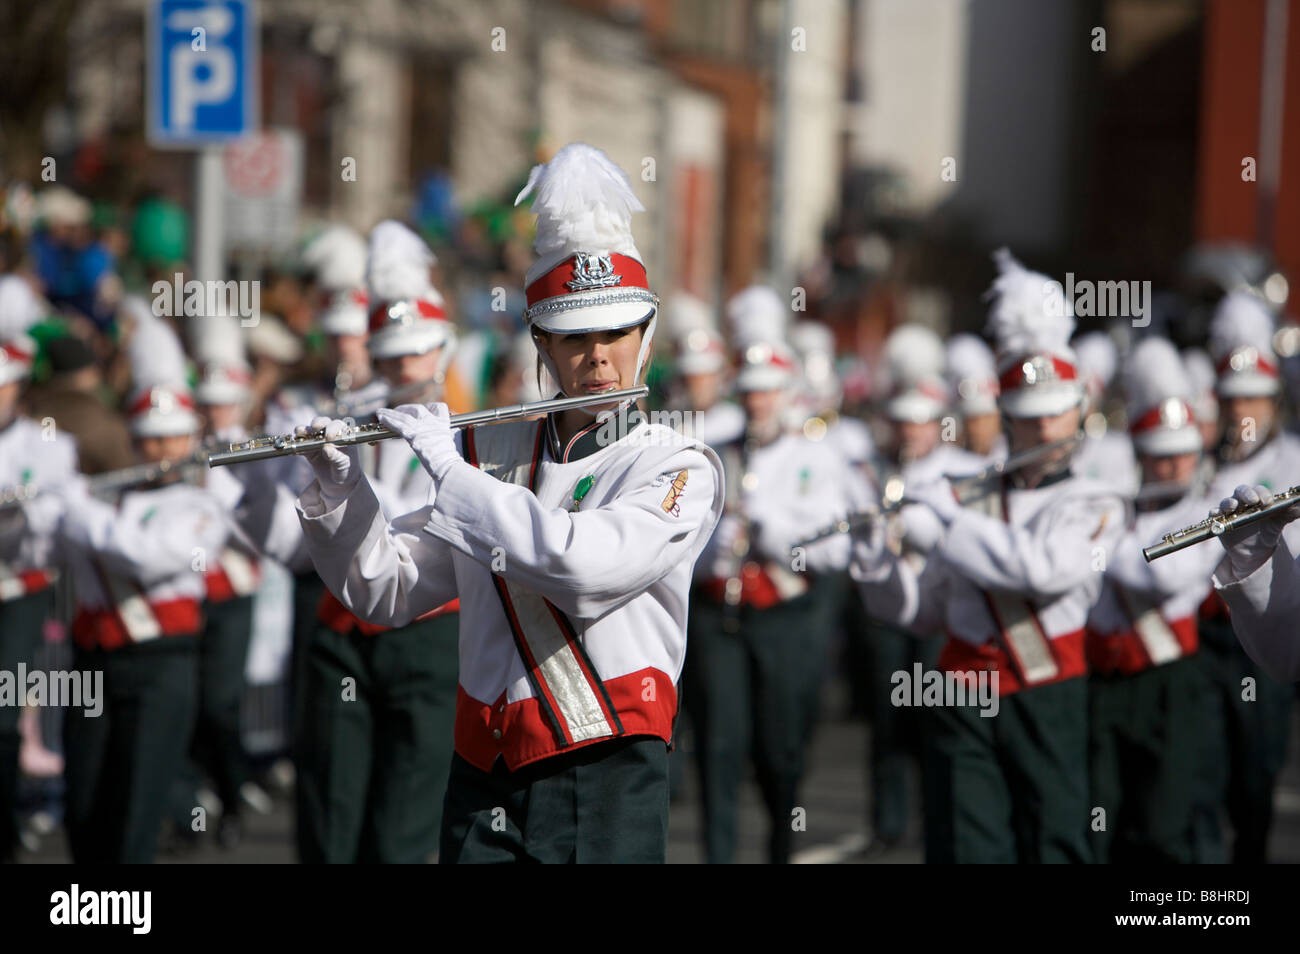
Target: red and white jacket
{"points": [[1011, 581], [139, 568], [1145, 615], [34, 455], [572, 613]]}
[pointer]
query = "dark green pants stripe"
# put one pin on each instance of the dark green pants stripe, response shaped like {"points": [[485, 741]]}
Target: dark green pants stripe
{"points": [[376, 742], [605, 803], [1146, 730], [120, 765], [1251, 746], [755, 692], [21, 621], [1012, 787]]}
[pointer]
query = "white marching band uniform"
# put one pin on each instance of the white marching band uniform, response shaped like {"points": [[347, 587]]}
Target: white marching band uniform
{"points": [[558, 644]]}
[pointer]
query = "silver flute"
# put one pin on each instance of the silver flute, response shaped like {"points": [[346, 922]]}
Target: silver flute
{"points": [[261, 448], [967, 488], [1212, 527], [109, 481]]}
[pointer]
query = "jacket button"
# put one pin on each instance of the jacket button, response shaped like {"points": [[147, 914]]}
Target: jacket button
{"points": [[496, 733], [502, 707]]}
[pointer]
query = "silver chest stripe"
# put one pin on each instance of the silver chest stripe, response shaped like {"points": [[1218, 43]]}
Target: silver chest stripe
{"points": [[558, 666], [1027, 642], [506, 452], [1157, 636]]}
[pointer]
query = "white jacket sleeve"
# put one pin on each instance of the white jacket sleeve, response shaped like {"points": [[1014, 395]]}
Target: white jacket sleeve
{"points": [[1045, 560], [895, 593], [385, 573], [155, 550], [1264, 607], [590, 562]]}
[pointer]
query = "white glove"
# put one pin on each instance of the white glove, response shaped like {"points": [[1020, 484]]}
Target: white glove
{"points": [[868, 548], [337, 469], [427, 428], [1251, 546], [938, 497], [43, 513], [922, 527]]}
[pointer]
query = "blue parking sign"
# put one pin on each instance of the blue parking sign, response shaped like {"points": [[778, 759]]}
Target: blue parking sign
{"points": [[203, 71]]}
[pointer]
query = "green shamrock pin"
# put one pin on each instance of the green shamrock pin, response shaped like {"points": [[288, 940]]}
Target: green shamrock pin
{"points": [[581, 490]]}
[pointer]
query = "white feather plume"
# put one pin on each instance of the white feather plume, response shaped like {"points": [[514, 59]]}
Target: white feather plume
{"points": [[757, 314], [397, 265], [1029, 311], [337, 258], [969, 357], [584, 201], [811, 337], [913, 353], [1241, 320], [156, 357], [1098, 357], [20, 307], [1153, 371], [685, 313]]}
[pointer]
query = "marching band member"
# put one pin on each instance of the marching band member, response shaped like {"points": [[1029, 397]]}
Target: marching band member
{"points": [[34, 457], [1105, 454], [378, 700], [1259, 580], [137, 572], [914, 454], [1011, 581], [1147, 693], [570, 541], [760, 623], [232, 580], [700, 361], [1254, 450], [973, 377]]}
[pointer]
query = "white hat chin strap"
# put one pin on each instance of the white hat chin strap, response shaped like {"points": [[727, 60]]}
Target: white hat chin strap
{"points": [[646, 338]]}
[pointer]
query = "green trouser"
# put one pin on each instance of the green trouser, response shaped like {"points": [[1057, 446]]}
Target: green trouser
{"points": [[308, 588], [120, 765], [223, 658], [375, 742], [895, 730], [605, 803], [1011, 787], [21, 621], [1251, 747], [1145, 736], [754, 692]]}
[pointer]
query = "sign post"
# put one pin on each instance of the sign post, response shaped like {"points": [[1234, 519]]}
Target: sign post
{"points": [[202, 92]]}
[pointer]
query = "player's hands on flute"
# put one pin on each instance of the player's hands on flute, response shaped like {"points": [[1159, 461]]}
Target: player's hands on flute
{"points": [[337, 469], [1251, 546]]}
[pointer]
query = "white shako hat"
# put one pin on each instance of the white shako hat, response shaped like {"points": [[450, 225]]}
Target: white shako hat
{"points": [[406, 312], [1098, 359], [20, 308], [588, 275], [758, 317], [337, 260], [1241, 344], [1158, 398], [913, 374], [160, 404], [1038, 373], [972, 375], [814, 344], [1200, 378], [219, 349], [698, 347]]}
